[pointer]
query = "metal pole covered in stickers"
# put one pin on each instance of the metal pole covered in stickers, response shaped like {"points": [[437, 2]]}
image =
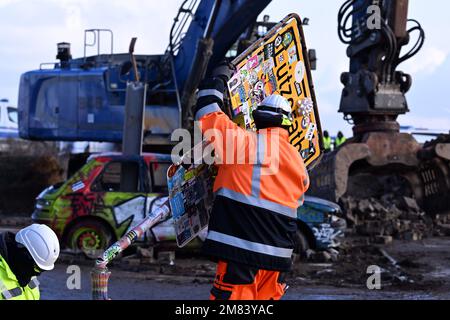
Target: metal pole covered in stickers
{"points": [[100, 273]]}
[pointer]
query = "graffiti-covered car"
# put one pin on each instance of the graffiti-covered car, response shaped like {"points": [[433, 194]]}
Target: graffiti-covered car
{"points": [[97, 205], [321, 225]]}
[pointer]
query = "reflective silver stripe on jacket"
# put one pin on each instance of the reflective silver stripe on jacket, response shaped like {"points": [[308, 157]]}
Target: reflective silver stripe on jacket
{"points": [[4, 291], [256, 175], [11, 293], [34, 283], [249, 245], [302, 199], [210, 92], [258, 202], [210, 108]]}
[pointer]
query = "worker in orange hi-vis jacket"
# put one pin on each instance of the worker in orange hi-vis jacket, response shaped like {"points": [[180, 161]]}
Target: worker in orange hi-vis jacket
{"points": [[260, 184]]}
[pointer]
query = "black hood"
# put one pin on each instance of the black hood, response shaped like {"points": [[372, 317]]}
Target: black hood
{"points": [[17, 258], [264, 120], [5, 237]]}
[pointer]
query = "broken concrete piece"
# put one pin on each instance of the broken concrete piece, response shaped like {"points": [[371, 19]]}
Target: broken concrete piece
{"points": [[324, 256], [351, 218], [383, 239], [412, 236], [394, 212], [309, 254], [378, 207], [364, 206], [444, 229], [370, 228], [334, 254], [410, 204], [145, 252], [167, 257]]}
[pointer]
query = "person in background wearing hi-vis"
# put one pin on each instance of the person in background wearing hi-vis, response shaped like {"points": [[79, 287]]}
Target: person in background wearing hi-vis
{"points": [[340, 140], [253, 220], [23, 257], [326, 141]]}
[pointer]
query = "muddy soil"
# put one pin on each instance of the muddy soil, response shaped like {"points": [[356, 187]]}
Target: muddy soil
{"points": [[125, 285], [406, 266], [411, 270]]}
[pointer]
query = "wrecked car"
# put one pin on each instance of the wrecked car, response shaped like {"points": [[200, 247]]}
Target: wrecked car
{"points": [[321, 225], [95, 207]]}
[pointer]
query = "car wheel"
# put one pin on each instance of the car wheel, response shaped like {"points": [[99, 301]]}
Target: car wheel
{"points": [[301, 245], [89, 237]]}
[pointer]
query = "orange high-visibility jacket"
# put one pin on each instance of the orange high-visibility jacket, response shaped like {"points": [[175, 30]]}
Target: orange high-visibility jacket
{"points": [[260, 184]]}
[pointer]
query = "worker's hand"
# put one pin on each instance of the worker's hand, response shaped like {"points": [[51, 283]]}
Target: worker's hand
{"points": [[210, 92], [224, 71]]}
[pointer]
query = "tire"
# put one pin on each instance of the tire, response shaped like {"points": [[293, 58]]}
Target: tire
{"points": [[301, 245], [90, 237]]}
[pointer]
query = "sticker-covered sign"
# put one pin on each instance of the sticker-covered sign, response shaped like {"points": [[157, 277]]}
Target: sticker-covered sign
{"points": [[277, 64], [191, 198]]}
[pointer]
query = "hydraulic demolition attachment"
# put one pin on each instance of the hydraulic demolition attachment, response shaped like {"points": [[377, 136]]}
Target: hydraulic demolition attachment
{"points": [[372, 99]]}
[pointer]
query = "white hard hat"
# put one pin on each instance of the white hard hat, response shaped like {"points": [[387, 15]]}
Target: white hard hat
{"points": [[275, 104], [42, 243]]}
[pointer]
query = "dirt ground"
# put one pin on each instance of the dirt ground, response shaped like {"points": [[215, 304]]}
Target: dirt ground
{"points": [[147, 286], [414, 271], [414, 267], [409, 270]]}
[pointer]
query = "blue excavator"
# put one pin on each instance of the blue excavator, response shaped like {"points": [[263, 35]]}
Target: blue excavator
{"points": [[83, 98]]}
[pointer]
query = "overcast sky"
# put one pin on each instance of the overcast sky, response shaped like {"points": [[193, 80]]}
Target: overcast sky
{"points": [[30, 29]]}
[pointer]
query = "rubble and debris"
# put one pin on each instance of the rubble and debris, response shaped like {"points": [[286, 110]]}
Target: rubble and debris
{"points": [[389, 217], [325, 256], [146, 255], [167, 257], [377, 223], [383, 239], [322, 256], [334, 254], [443, 229]]}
